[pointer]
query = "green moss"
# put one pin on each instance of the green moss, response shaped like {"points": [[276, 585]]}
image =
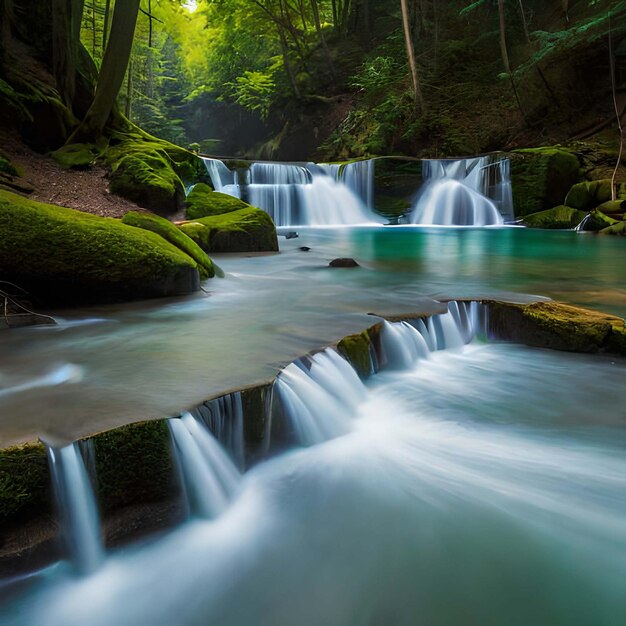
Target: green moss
{"points": [[541, 178], [617, 229], [62, 255], [202, 201], [596, 220], [557, 326], [558, 217], [612, 207], [6, 167], [77, 156], [589, 194], [356, 349], [134, 465], [245, 230], [24, 482], [175, 236], [148, 179]]}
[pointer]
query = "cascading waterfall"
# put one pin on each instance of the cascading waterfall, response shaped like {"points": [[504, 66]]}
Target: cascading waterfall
{"points": [[209, 476], [224, 418], [76, 504], [302, 195], [464, 193], [319, 398], [403, 344]]}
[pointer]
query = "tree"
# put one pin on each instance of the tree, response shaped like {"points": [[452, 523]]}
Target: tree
{"points": [[505, 54], [410, 52], [112, 72]]}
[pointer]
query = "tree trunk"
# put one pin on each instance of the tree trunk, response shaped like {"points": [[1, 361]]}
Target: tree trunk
{"points": [[62, 57], [320, 34], [128, 109], [105, 28], [617, 114], [505, 55], [410, 52], [112, 71], [94, 33]]}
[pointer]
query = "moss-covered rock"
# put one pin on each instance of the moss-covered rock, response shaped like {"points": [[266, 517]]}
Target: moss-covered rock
{"points": [[619, 228], [175, 236], [592, 193], [6, 167], [557, 326], [66, 256], [245, 230], [77, 156], [202, 201], [356, 349], [148, 179], [596, 220], [541, 178], [559, 217], [613, 207], [24, 482], [134, 465]]}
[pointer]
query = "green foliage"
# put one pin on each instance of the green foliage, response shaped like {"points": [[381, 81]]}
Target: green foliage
{"points": [[255, 91]]}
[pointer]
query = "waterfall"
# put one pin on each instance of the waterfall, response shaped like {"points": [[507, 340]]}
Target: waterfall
{"points": [[319, 397], [403, 344], [78, 514], [455, 193], [224, 418], [303, 195], [209, 476]]}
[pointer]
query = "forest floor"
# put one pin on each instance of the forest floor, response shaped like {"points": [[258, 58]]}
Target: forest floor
{"points": [[84, 190]]}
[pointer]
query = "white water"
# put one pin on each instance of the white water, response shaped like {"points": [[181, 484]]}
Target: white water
{"points": [[78, 514], [209, 476], [443, 504], [455, 193], [61, 375], [295, 195], [224, 419]]}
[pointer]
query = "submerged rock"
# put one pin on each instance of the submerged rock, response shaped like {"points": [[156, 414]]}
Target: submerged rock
{"points": [[65, 256], [245, 230], [560, 217], [344, 262]]}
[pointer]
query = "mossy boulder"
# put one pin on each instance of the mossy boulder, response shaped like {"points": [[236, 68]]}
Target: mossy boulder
{"points": [[148, 179], [541, 178], [591, 194], [77, 156], [619, 228], [244, 230], [613, 207], [557, 326], [24, 483], [560, 217], [202, 201], [596, 220], [175, 236], [356, 350], [66, 256]]}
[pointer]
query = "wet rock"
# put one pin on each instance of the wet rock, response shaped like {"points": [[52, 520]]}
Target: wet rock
{"points": [[304, 248], [291, 235], [343, 263]]}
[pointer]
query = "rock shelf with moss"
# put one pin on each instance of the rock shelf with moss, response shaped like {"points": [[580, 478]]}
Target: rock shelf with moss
{"points": [[64, 256], [244, 230], [202, 201], [560, 217]]}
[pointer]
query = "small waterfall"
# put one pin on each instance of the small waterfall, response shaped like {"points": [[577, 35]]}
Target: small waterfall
{"points": [[455, 193], [223, 179], [224, 418], [302, 195], [209, 476], [403, 344], [319, 397], [78, 513], [359, 178]]}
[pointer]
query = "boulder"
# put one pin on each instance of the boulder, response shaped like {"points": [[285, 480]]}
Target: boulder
{"points": [[591, 194], [619, 228], [245, 230], [560, 217], [202, 201], [541, 178], [596, 220], [344, 262], [68, 257]]}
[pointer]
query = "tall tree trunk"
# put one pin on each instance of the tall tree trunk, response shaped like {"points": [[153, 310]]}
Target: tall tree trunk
{"points": [[112, 71], [94, 32], [320, 35], [287, 63], [150, 23], [565, 5], [105, 27], [344, 17], [436, 27], [62, 44], [128, 108], [410, 52], [505, 54], [617, 113]]}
